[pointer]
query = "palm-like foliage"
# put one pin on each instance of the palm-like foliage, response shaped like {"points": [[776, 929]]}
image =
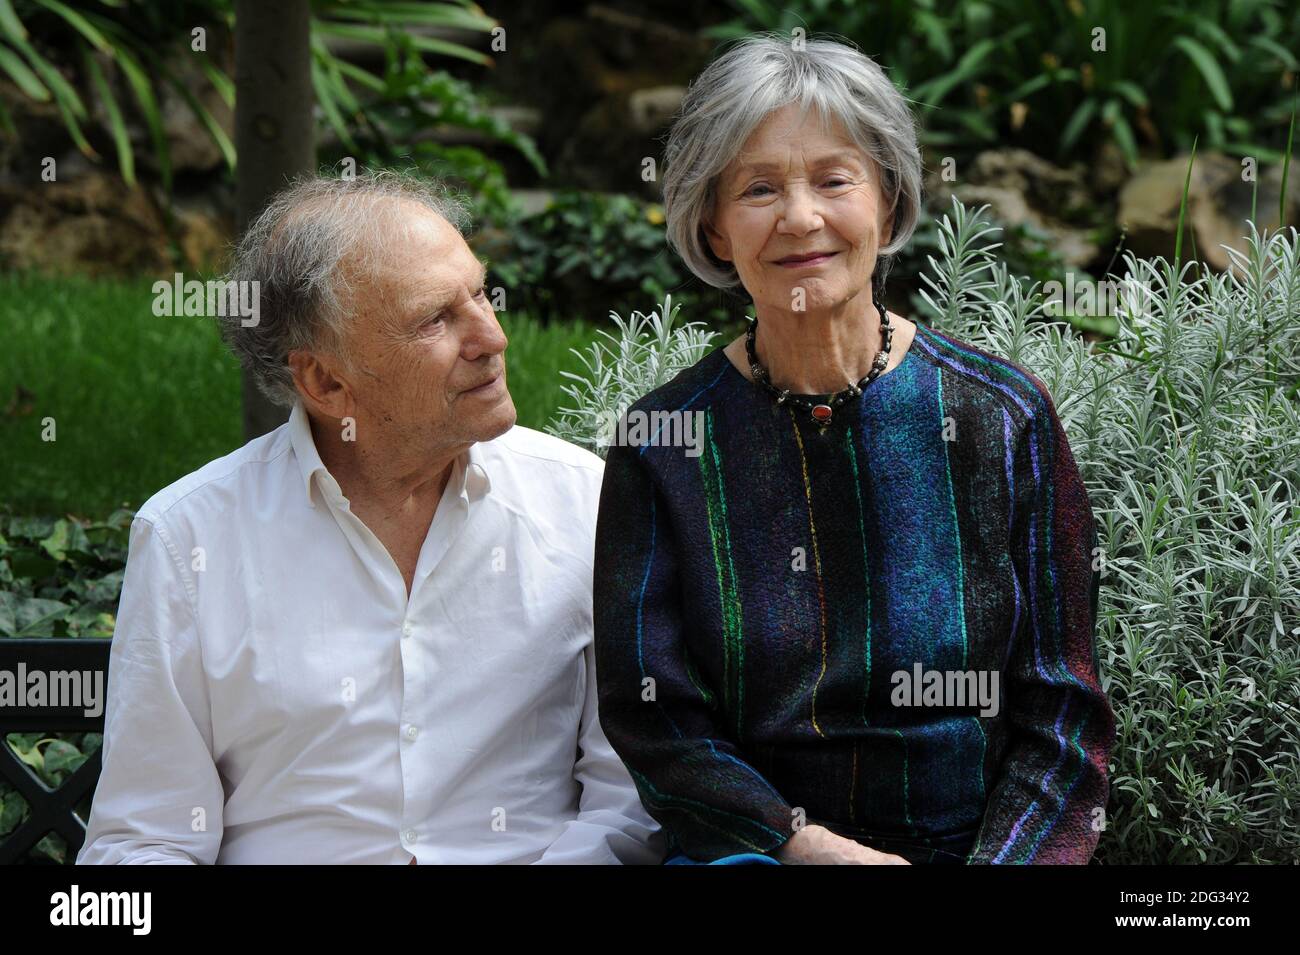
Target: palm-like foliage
{"points": [[71, 52]]}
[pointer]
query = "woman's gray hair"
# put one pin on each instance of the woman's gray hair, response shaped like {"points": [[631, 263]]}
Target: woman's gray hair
{"points": [[736, 92], [294, 249]]}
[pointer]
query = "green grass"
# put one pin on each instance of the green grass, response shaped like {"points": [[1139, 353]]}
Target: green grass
{"points": [[139, 401]]}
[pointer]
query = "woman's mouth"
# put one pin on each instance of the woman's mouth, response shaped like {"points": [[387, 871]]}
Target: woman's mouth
{"points": [[805, 261]]}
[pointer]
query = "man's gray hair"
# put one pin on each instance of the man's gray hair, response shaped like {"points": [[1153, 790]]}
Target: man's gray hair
{"points": [[294, 248], [758, 75]]}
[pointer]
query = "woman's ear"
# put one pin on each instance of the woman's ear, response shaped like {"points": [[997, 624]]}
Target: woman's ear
{"points": [[887, 231], [717, 242]]}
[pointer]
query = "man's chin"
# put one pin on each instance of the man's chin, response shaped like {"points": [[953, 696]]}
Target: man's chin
{"points": [[494, 422]]}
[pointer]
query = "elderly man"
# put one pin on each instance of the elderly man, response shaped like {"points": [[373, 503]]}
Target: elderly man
{"points": [[366, 637]]}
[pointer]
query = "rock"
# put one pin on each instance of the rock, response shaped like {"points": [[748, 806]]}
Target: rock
{"points": [[1218, 205], [1108, 172], [1022, 188], [204, 224], [532, 201], [651, 110], [89, 222], [607, 153]]}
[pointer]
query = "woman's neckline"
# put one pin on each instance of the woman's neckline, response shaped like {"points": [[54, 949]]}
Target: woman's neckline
{"points": [[817, 397]]}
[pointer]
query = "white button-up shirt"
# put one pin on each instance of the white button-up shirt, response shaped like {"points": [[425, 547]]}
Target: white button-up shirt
{"points": [[276, 697]]}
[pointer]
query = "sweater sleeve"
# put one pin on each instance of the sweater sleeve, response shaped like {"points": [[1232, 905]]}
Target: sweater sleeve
{"points": [[658, 711], [1048, 803]]}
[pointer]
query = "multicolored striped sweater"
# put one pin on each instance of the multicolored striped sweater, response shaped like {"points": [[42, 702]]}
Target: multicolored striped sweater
{"points": [[759, 592]]}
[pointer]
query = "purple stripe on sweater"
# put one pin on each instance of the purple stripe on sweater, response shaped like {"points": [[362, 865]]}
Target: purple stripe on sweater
{"points": [[1009, 451], [1015, 830], [1038, 662]]}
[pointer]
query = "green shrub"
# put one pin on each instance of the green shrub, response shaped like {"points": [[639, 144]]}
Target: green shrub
{"points": [[587, 249], [648, 351], [1185, 429], [1033, 74]]}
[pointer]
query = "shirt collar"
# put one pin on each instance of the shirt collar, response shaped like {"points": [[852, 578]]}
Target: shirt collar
{"points": [[469, 477]]}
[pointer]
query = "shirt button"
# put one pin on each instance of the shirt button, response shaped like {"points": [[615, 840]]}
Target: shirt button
{"points": [[412, 732], [407, 629], [408, 836]]}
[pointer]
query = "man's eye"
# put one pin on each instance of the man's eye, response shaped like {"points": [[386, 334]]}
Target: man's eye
{"points": [[481, 293]]}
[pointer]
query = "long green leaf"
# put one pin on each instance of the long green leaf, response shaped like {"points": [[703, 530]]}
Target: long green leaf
{"points": [[63, 91], [207, 120], [1182, 209], [144, 97], [121, 138], [1124, 137], [364, 77], [328, 100], [10, 25], [378, 36], [428, 14], [80, 24], [69, 103], [1209, 69], [1078, 123], [1286, 163], [222, 83], [22, 76]]}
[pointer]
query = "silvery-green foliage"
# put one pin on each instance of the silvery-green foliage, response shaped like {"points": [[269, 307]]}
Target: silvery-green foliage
{"points": [[643, 353], [1187, 432]]}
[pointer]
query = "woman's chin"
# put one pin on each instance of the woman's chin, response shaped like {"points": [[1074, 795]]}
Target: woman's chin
{"points": [[814, 296]]}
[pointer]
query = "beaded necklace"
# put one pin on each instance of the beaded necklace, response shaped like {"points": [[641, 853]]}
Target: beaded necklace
{"points": [[822, 411]]}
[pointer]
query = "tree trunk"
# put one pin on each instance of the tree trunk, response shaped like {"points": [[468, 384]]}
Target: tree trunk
{"points": [[274, 127]]}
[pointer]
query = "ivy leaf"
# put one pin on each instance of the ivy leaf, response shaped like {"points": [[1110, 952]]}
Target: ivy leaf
{"points": [[61, 755], [35, 614], [12, 806], [8, 614]]}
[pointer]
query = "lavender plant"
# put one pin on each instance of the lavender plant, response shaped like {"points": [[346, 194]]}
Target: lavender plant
{"points": [[1185, 428], [619, 367]]}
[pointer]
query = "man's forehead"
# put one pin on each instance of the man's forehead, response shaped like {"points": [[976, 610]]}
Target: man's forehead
{"points": [[418, 250]]}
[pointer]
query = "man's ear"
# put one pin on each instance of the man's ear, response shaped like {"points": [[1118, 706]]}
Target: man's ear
{"points": [[321, 384], [717, 242]]}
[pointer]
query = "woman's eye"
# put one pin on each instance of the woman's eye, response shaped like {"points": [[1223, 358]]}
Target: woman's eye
{"points": [[754, 190]]}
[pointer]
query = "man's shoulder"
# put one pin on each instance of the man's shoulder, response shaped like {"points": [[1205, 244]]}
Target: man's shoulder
{"points": [[223, 481]]}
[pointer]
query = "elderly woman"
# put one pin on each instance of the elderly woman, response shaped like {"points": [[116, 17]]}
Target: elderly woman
{"points": [[858, 627]]}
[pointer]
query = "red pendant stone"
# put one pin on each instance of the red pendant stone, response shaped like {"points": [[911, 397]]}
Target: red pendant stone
{"points": [[822, 413]]}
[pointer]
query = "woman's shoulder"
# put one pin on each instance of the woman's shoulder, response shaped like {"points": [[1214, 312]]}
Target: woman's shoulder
{"points": [[691, 388], [1010, 382]]}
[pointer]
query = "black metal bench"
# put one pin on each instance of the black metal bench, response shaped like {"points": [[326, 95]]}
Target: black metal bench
{"points": [[50, 810]]}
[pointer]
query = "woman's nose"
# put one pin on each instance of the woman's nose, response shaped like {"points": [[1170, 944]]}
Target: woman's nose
{"points": [[799, 212]]}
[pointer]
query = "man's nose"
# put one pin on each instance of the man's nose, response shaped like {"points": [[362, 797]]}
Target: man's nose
{"points": [[485, 337]]}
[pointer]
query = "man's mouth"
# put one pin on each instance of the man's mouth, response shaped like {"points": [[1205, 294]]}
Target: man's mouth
{"points": [[485, 386], [806, 258]]}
